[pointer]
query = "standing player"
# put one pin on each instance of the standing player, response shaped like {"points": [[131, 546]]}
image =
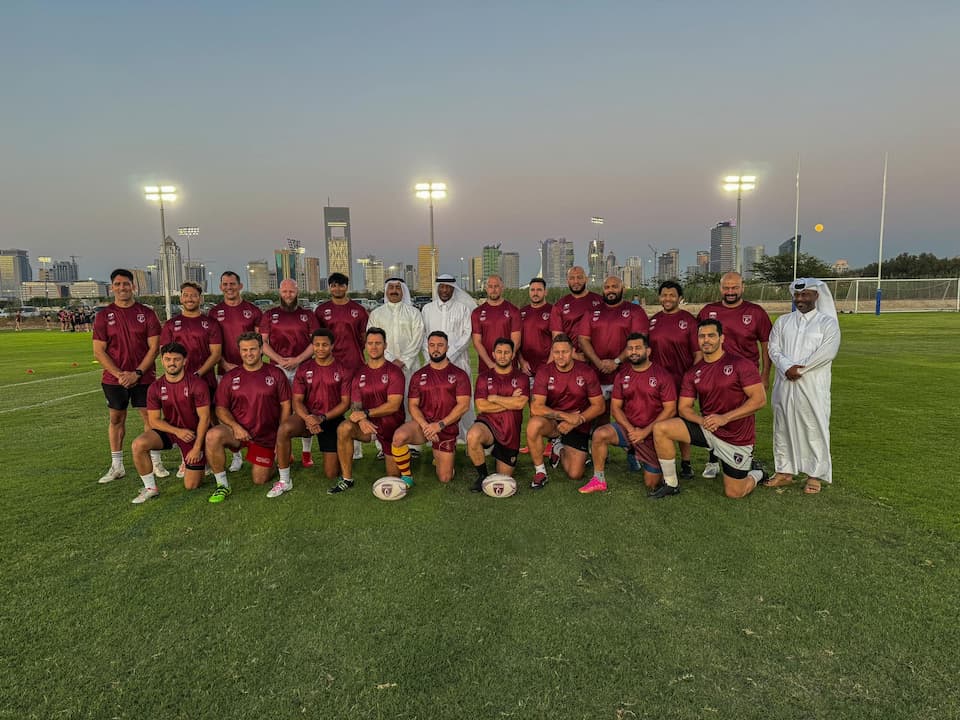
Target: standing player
{"points": [[321, 394], [200, 335], [746, 328], [376, 409], [492, 319], [286, 333], [566, 398], [730, 392], [178, 408], [126, 337], [501, 394], [535, 336], [252, 401], [643, 394], [674, 347], [568, 310], [438, 397]]}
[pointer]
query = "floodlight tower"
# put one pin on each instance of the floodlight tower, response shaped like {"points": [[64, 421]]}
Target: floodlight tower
{"points": [[429, 191], [161, 193], [739, 183]]}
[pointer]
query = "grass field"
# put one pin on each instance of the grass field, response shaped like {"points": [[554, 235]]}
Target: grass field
{"points": [[452, 605]]}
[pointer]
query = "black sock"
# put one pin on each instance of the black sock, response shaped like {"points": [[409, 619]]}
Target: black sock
{"points": [[481, 472], [684, 464]]}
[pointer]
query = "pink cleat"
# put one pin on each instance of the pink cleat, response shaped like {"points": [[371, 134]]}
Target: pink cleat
{"points": [[595, 485]]}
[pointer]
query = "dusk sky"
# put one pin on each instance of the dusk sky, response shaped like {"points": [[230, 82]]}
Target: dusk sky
{"points": [[537, 114]]}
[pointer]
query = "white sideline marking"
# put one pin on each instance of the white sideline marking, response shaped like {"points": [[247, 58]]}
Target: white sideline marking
{"points": [[59, 377], [49, 402]]}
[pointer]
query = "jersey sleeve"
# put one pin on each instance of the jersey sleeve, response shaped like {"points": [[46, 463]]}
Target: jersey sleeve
{"points": [[639, 322], [166, 334], [463, 384], [284, 392], [556, 321], [480, 391], [413, 391], [541, 380], [475, 322], [516, 322], [748, 373], [764, 327], [397, 384], [100, 327], [153, 323], [153, 398], [667, 385], [299, 381], [201, 394], [214, 333], [222, 396], [593, 383], [687, 388]]}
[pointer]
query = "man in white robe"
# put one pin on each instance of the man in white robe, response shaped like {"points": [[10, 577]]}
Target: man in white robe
{"points": [[450, 312], [802, 347]]}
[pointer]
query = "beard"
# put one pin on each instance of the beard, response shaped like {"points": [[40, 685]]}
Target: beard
{"points": [[617, 299], [637, 359], [438, 358], [288, 306]]}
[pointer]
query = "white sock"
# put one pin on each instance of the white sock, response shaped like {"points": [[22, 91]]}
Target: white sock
{"points": [[348, 480], [669, 469], [284, 475], [156, 457], [540, 469], [149, 482], [221, 478], [756, 476], [308, 444], [116, 459], [237, 461]]}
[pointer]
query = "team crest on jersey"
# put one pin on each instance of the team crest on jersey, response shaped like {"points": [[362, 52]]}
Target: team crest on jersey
{"points": [[385, 378], [747, 319], [336, 376], [141, 318], [513, 382], [737, 458], [580, 381], [303, 317], [545, 316], [506, 313], [186, 392], [451, 378], [683, 325], [728, 369], [652, 381], [354, 313], [269, 381], [205, 324], [246, 314]]}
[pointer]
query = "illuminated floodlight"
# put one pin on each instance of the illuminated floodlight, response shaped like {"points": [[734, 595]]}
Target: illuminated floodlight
{"points": [[596, 220], [431, 190], [188, 231]]}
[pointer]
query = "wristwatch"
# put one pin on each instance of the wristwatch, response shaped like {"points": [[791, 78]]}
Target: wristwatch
{"points": [[616, 361], [442, 424], [139, 372], [367, 413]]}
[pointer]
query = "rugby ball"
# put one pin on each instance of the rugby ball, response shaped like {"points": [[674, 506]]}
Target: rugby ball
{"points": [[390, 488], [499, 486]]}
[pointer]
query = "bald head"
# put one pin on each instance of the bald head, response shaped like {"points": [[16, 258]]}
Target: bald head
{"points": [[577, 281], [731, 288], [288, 293]]}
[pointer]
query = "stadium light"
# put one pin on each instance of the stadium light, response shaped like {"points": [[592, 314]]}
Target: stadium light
{"points": [[44, 261], [159, 193], [740, 183], [431, 191]]}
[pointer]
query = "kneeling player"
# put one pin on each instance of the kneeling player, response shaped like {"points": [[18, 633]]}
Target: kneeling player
{"points": [[501, 393], [438, 397], [178, 411], [321, 394], [643, 394], [376, 409], [566, 398]]}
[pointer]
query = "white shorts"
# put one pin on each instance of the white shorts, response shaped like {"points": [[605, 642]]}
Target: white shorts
{"points": [[736, 456]]}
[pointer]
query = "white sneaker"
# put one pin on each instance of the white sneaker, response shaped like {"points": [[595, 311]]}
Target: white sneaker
{"points": [[114, 473], [236, 463], [711, 470], [279, 488], [160, 471], [145, 494], [182, 470]]}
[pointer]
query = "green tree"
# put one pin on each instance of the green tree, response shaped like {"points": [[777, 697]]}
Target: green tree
{"points": [[905, 265], [779, 268]]}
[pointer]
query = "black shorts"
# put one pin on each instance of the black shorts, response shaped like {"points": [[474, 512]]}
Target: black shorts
{"points": [[327, 437], [508, 456], [577, 440], [699, 439], [170, 440], [119, 397]]}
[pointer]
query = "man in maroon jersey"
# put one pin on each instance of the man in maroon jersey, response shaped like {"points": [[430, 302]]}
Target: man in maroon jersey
{"points": [[178, 408], [252, 401], [321, 394], [730, 392], [438, 397], [200, 335], [674, 346], [746, 326], [535, 336], [566, 398], [567, 311], [492, 319], [126, 336], [286, 333], [376, 408], [643, 394], [604, 331], [501, 394]]}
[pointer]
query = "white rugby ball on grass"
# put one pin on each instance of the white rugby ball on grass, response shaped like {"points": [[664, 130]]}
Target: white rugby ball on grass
{"points": [[499, 486], [390, 488]]}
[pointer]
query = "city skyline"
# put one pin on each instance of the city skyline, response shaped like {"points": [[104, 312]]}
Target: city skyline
{"points": [[537, 124]]}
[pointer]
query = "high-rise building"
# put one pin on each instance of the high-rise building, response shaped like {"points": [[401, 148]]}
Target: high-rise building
{"points": [[703, 262], [141, 282], [723, 242], [336, 236], [668, 265], [195, 271], [610, 266], [786, 247], [510, 269], [596, 262], [477, 278], [373, 274], [752, 254], [289, 263], [258, 277], [14, 269], [556, 257], [63, 271], [409, 276], [425, 268], [89, 289], [491, 260], [170, 266], [311, 271]]}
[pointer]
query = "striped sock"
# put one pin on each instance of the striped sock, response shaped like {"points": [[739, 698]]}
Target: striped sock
{"points": [[401, 456]]}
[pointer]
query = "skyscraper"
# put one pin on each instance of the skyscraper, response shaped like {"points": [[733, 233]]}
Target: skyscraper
{"points": [[510, 268], [64, 271], [425, 268], [556, 257], [289, 263], [170, 266], [596, 262], [752, 254], [373, 274], [336, 236], [258, 277], [703, 262], [668, 265], [491, 260], [723, 241], [476, 273], [311, 271], [786, 247], [195, 271], [14, 269]]}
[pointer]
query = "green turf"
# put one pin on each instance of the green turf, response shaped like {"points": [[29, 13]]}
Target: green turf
{"points": [[450, 605]]}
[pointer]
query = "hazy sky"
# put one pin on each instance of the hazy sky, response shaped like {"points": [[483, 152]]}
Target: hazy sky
{"points": [[537, 114]]}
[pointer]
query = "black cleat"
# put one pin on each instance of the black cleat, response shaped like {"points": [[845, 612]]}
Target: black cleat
{"points": [[758, 466], [663, 490], [341, 486], [686, 472], [477, 486]]}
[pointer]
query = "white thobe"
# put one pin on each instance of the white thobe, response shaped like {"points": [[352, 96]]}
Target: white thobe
{"points": [[404, 327], [453, 318], [801, 408]]}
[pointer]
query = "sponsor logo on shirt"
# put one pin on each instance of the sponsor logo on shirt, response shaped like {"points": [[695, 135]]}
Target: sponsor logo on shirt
{"points": [[327, 314], [309, 377], [423, 378], [550, 383], [483, 316], [712, 314], [163, 393], [221, 315], [362, 382], [235, 383]]}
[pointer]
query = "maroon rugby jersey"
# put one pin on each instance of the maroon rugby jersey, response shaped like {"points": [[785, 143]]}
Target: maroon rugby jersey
{"points": [[644, 393], [289, 331], [491, 322], [322, 386], [536, 338], [608, 327], [438, 391], [719, 387], [505, 425], [372, 386], [178, 401], [253, 397], [235, 320], [196, 334], [349, 325], [567, 391], [567, 312], [743, 327], [673, 341], [126, 332]]}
